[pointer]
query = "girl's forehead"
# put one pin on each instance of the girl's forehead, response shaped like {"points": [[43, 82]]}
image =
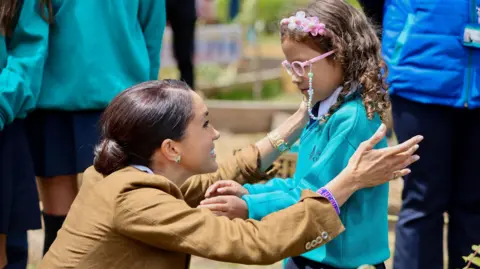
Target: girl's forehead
{"points": [[296, 49]]}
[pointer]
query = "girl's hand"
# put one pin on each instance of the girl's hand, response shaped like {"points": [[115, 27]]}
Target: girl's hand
{"points": [[225, 187]]}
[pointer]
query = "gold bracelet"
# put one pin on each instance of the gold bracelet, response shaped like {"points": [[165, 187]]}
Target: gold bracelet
{"points": [[277, 142]]}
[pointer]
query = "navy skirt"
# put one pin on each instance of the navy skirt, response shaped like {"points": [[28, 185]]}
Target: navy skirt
{"points": [[19, 204], [62, 142]]}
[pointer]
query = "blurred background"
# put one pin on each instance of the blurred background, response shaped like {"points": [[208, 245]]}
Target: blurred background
{"points": [[237, 67]]}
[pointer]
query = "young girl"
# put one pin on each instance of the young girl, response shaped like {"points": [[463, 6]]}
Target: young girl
{"points": [[333, 56], [23, 46], [96, 50]]}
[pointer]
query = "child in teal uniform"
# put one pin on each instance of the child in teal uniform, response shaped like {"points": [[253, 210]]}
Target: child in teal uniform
{"points": [[23, 47], [333, 56]]}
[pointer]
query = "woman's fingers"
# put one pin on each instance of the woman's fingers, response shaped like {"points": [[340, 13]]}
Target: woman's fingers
{"points": [[220, 213], [403, 147], [402, 161], [218, 203], [215, 207], [375, 139], [408, 161], [409, 152], [400, 173], [214, 200]]}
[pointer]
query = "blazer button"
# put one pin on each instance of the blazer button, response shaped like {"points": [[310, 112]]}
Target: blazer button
{"points": [[325, 235]]}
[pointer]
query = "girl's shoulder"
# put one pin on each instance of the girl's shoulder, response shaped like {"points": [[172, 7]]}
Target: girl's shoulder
{"points": [[351, 120], [350, 111]]}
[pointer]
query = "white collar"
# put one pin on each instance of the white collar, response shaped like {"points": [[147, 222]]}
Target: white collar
{"points": [[143, 168], [326, 104]]}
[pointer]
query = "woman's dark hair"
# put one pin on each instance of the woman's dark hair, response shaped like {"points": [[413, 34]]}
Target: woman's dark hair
{"points": [[10, 11], [138, 120]]}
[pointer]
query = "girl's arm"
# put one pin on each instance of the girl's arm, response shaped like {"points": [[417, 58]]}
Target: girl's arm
{"points": [[347, 130]]}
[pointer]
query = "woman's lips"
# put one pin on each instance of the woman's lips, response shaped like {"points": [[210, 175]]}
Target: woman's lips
{"points": [[213, 154]]}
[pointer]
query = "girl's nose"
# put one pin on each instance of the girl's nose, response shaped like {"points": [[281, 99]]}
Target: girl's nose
{"points": [[296, 79]]}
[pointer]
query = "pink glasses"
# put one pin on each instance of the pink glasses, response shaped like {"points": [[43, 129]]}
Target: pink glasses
{"points": [[299, 67]]}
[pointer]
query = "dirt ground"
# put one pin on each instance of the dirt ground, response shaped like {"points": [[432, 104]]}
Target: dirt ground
{"points": [[224, 147]]}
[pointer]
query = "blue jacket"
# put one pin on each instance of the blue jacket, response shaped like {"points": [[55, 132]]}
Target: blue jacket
{"points": [[22, 57], [98, 48], [423, 48], [323, 153]]}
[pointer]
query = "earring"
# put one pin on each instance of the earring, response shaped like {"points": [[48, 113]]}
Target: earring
{"points": [[178, 159]]}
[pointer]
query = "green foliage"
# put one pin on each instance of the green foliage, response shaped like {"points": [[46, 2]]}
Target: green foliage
{"points": [[473, 258], [268, 11], [271, 88]]}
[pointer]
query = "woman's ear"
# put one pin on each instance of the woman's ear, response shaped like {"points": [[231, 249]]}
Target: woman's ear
{"points": [[171, 150]]}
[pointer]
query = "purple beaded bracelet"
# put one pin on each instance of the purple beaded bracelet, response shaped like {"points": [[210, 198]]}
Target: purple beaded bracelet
{"points": [[327, 194]]}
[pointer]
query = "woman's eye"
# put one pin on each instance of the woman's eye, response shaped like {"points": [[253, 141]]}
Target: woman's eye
{"points": [[205, 125]]}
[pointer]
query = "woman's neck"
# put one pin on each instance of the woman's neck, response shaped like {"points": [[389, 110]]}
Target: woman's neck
{"points": [[174, 173]]}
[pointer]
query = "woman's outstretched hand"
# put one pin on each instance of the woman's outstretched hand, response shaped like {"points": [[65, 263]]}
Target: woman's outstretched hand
{"points": [[369, 167]]}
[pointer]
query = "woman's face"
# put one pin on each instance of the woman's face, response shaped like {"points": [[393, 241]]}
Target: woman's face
{"points": [[197, 148]]}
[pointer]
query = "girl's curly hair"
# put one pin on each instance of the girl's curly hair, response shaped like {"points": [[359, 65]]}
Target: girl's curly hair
{"points": [[358, 50], [9, 12]]}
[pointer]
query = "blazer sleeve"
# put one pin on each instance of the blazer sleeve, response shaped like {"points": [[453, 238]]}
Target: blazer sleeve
{"points": [[159, 220], [243, 167]]}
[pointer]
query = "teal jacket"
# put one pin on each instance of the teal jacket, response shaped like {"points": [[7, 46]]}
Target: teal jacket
{"points": [[324, 152], [22, 57], [98, 48]]}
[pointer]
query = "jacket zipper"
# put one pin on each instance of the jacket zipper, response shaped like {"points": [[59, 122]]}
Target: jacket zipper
{"points": [[469, 74]]}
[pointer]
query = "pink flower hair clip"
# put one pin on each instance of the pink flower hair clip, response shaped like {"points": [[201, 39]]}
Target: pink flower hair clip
{"points": [[300, 22]]}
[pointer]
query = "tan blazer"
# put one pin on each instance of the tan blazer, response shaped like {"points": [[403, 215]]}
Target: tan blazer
{"points": [[131, 219]]}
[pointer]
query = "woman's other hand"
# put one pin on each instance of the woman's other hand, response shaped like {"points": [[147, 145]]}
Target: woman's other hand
{"points": [[229, 206], [370, 167]]}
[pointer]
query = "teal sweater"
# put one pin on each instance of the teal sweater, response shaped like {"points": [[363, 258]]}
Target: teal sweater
{"points": [[99, 48], [21, 64], [324, 152]]}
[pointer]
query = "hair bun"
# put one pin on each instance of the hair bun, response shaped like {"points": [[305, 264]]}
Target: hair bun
{"points": [[109, 157]]}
